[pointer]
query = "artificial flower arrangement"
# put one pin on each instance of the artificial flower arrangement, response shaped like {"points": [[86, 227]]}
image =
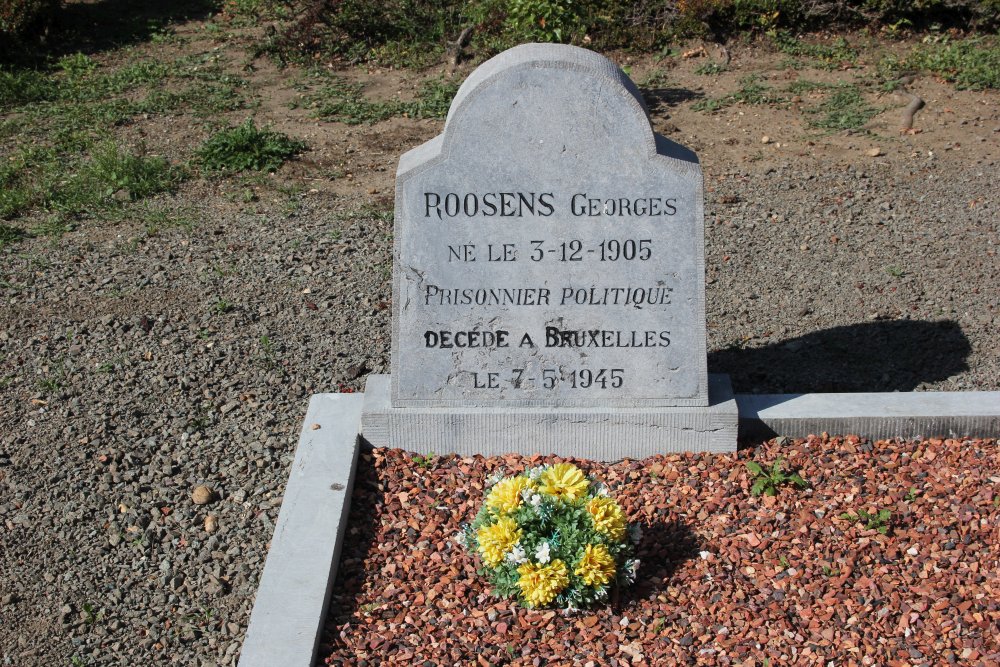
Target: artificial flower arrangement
{"points": [[552, 537]]}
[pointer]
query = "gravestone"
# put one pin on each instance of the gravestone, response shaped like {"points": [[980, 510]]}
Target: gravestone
{"points": [[548, 275]]}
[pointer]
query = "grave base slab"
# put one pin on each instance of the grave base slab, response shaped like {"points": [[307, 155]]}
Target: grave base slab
{"points": [[602, 434], [949, 414]]}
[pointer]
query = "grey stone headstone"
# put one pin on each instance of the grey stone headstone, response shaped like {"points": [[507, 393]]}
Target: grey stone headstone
{"points": [[549, 246]]}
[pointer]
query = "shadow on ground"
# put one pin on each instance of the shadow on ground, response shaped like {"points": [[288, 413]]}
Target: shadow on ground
{"points": [[657, 98], [873, 356], [664, 547], [359, 534], [91, 27]]}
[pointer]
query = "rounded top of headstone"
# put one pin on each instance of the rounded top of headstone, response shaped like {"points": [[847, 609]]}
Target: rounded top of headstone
{"points": [[543, 56]]}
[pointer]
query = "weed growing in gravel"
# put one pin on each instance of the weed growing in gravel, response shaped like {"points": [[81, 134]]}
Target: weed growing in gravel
{"points": [[912, 494], [895, 271], [880, 520], [247, 147], [768, 480], [424, 462], [90, 615], [222, 306]]}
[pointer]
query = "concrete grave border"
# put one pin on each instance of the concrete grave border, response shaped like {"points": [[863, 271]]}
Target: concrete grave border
{"points": [[301, 567]]}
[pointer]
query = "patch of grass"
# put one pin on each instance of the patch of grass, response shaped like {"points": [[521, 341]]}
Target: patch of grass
{"points": [[800, 86], [434, 99], [247, 147], [48, 385], [844, 109], [751, 91], [344, 102], [9, 235], [972, 63], [157, 219], [25, 86], [711, 69], [880, 520], [827, 56], [767, 481]]}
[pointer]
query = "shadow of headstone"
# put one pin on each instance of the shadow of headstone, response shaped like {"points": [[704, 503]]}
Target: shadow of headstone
{"points": [[872, 356]]}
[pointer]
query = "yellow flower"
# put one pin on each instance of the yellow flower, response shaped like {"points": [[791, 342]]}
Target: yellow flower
{"points": [[505, 496], [540, 584], [608, 517], [497, 539], [596, 567], [564, 481]]}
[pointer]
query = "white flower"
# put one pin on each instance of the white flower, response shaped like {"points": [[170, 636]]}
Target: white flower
{"points": [[635, 533], [494, 478], [517, 555], [629, 570], [534, 473], [600, 489], [526, 495], [542, 553], [536, 500]]}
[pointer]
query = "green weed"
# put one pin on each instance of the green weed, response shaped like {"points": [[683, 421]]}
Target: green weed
{"points": [[768, 480], [424, 462], [880, 520], [221, 306], [803, 86], [895, 271], [827, 55], [48, 385], [711, 69], [751, 91], [912, 494], [90, 615], [845, 109], [542, 20], [9, 235], [971, 63], [344, 102], [247, 147]]}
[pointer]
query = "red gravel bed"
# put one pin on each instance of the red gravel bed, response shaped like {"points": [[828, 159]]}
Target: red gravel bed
{"points": [[725, 578]]}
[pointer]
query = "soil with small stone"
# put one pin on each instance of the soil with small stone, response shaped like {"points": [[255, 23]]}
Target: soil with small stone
{"points": [[140, 362], [725, 578]]}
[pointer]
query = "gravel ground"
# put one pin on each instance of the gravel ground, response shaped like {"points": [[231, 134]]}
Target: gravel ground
{"points": [[136, 366], [725, 578]]}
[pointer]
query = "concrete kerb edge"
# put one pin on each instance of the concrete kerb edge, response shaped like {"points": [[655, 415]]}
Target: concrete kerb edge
{"points": [[294, 592], [301, 566]]}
